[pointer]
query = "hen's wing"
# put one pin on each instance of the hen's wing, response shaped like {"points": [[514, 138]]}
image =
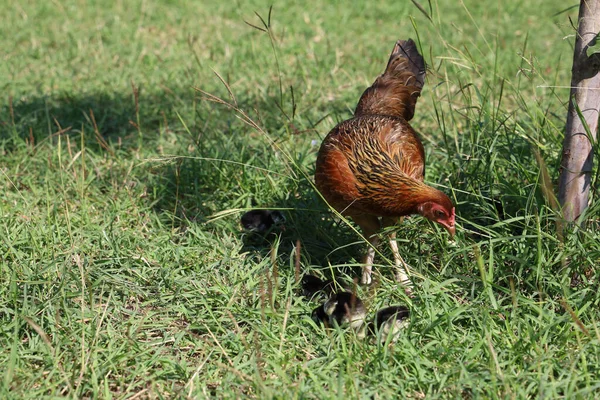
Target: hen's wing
{"points": [[395, 92], [405, 147]]}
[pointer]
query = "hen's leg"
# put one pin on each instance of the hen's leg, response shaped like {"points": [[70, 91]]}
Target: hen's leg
{"points": [[401, 266], [369, 225]]}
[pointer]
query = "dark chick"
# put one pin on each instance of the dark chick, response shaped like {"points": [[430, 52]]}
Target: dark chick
{"points": [[319, 316], [262, 221], [342, 309], [371, 167], [345, 308], [312, 285], [389, 322]]}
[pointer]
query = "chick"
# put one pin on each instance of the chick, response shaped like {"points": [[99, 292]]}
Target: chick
{"points": [[343, 308], [389, 322], [262, 221], [311, 285], [320, 317]]}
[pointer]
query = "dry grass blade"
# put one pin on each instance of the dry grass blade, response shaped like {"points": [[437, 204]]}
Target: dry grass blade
{"points": [[548, 191], [547, 188], [226, 87], [38, 329], [297, 261], [255, 27], [136, 97], [190, 382], [11, 110], [223, 351], [101, 141], [238, 330], [574, 317], [243, 116], [240, 113], [285, 321], [494, 356], [420, 7]]}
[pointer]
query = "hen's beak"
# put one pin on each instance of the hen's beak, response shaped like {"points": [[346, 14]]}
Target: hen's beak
{"points": [[451, 230]]}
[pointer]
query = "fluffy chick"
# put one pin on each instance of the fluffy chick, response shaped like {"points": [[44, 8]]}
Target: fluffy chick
{"points": [[262, 221], [389, 322], [343, 308], [311, 285]]}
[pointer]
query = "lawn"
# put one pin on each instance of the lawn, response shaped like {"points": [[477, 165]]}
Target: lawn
{"points": [[124, 271]]}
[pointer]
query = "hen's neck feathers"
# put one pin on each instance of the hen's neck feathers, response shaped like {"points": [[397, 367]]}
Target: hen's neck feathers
{"points": [[408, 194], [399, 194]]}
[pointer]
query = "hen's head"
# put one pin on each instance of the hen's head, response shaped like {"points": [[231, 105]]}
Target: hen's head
{"points": [[441, 211]]}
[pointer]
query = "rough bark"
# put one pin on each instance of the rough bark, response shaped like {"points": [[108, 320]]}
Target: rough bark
{"points": [[577, 156]]}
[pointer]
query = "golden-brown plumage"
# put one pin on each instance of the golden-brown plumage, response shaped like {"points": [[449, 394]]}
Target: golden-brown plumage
{"points": [[373, 164]]}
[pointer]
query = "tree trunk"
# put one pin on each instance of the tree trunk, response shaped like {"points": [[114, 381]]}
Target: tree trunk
{"points": [[577, 162]]}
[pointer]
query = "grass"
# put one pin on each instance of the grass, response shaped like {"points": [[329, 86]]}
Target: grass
{"points": [[124, 272]]}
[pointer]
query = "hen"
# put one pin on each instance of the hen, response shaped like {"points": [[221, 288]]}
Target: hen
{"points": [[372, 166]]}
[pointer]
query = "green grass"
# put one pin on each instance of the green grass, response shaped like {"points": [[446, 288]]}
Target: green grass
{"points": [[124, 272]]}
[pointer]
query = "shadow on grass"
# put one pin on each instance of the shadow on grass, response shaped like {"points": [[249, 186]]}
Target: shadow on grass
{"points": [[192, 189], [233, 167], [105, 118]]}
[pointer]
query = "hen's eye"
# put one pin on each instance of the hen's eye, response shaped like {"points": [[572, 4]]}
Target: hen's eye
{"points": [[439, 213]]}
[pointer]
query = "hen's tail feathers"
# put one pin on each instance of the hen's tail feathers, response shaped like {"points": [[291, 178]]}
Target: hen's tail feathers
{"points": [[395, 92]]}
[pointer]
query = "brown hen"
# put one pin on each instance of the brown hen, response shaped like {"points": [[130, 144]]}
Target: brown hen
{"points": [[372, 166]]}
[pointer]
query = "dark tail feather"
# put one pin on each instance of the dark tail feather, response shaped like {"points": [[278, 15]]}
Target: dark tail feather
{"points": [[396, 91], [406, 58]]}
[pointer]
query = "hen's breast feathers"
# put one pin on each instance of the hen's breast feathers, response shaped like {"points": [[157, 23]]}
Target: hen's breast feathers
{"points": [[334, 177]]}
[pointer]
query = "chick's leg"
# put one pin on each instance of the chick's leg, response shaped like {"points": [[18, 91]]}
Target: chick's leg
{"points": [[369, 225], [401, 266]]}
